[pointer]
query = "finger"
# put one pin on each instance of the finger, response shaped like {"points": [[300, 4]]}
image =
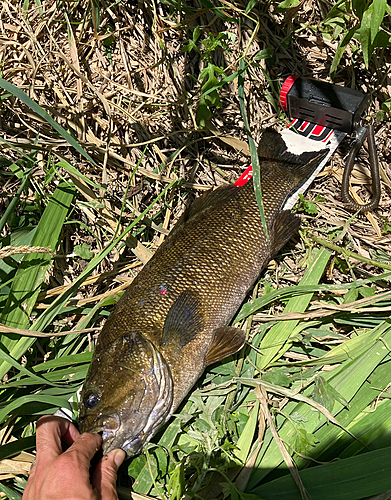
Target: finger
{"points": [[105, 475], [50, 430], [70, 435], [83, 449]]}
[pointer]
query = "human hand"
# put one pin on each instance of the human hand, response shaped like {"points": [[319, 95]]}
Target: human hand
{"points": [[59, 475]]}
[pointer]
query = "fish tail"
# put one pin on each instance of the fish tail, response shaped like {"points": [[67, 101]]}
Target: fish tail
{"points": [[272, 147]]}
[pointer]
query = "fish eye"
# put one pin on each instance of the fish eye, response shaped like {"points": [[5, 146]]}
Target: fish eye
{"points": [[91, 400]]}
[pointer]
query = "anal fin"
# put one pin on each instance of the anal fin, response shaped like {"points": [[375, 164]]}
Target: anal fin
{"points": [[226, 341], [285, 226]]}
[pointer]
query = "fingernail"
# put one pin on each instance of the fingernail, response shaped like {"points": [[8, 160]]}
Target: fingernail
{"points": [[119, 457]]}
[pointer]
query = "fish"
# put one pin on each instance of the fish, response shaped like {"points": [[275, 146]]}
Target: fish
{"points": [[174, 319]]}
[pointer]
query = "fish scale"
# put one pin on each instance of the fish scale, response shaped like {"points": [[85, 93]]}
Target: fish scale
{"points": [[173, 320]]}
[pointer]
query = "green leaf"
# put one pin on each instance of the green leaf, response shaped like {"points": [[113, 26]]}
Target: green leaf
{"points": [[303, 440], [10, 493], [341, 49], [352, 478], [286, 4], [251, 4], [274, 343], [325, 394], [11, 207], [83, 251], [31, 272], [365, 35], [276, 376], [37, 399], [382, 39], [14, 447], [377, 15], [358, 369], [73, 170], [247, 435], [9, 87]]}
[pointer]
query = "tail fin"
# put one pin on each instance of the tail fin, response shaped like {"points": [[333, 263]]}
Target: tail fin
{"points": [[283, 174], [272, 147]]}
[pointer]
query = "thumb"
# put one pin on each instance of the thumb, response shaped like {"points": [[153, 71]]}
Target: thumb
{"points": [[105, 475]]}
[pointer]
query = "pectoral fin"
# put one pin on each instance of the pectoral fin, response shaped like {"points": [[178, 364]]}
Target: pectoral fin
{"points": [[184, 320], [226, 341]]}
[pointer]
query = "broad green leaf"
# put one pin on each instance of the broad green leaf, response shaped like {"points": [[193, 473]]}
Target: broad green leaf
{"points": [[341, 49], [370, 426], [31, 272], [365, 35], [251, 4], [276, 376], [247, 436], [325, 394], [83, 251], [286, 4], [145, 479], [303, 440], [347, 379], [333, 440], [274, 343], [352, 478], [377, 15]]}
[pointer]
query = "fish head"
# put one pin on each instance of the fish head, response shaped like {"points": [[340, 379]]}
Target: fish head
{"points": [[127, 394]]}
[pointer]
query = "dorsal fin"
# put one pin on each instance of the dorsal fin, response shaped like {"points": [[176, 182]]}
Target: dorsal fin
{"points": [[209, 200]]}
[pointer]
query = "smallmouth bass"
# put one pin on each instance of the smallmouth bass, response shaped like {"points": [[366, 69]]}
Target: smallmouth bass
{"points": [[173, 320]]}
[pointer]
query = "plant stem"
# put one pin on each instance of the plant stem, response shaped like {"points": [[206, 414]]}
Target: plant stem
{"points": [[348, 253]]}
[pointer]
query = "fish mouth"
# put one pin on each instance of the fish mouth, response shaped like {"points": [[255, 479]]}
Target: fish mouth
{"points": [[107, 426]]}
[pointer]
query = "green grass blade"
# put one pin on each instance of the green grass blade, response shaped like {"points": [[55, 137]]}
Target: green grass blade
{"points": [[31, 273], [334, 442], [10, 494], [246, 437], [14, 447], [290, 291], [356, 369], [253, 149], [37, 400], [15, 200], [273, 344], [353, 478], [352, 348], [9, 360], [9, 87]]}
